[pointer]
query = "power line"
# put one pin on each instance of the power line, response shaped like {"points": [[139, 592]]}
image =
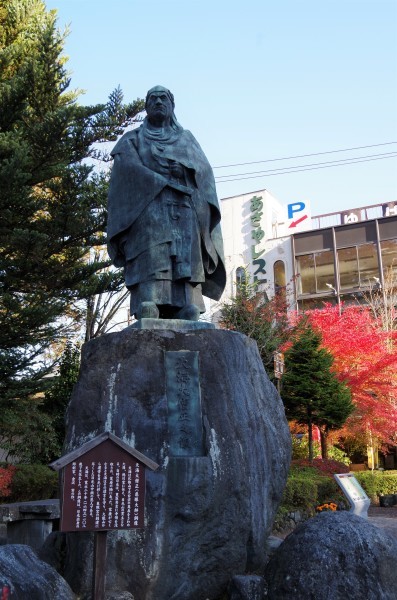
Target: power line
{"points": [[298, 169], [331, 162], [256, 162]]}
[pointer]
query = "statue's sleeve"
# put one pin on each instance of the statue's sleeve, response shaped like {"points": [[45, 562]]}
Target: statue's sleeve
{"points": [[132, 187], [208, 214]]}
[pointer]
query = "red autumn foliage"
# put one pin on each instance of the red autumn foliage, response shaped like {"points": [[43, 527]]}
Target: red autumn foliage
{"points": [[6, 475], [324, 466], [366, 359]]}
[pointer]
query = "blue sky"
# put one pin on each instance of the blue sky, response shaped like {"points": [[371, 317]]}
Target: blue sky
{"points": [[257, 80]]}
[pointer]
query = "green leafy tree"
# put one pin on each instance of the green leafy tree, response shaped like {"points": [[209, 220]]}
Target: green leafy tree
{"points": [[311, 392], [252, 313], [52, 203]]}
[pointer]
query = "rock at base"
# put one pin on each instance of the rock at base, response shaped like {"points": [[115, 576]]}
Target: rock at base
{"points": [[29, 577], [247, 587], [334, 556], [210, 506]]}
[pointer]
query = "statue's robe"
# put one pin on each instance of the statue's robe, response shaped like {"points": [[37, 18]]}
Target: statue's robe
{"points": [[164, 231]]}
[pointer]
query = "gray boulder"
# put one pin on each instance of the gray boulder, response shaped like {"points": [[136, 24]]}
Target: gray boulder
{"points": [[334, 556], [207, 514], [247, 587], [29, 577]]}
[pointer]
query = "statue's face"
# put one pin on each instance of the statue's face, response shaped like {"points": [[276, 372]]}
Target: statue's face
{"points": [[159, 107]]}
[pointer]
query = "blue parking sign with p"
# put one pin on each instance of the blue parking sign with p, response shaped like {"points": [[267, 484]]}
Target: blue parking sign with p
{"points": [[295, 207]]}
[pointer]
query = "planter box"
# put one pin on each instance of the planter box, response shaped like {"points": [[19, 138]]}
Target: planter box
{"points": [[388, 500]]}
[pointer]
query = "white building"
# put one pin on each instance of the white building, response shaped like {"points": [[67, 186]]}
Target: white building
{"points": [[330, 257]]}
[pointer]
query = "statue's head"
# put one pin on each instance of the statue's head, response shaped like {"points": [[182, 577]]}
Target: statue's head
{"points": [[159, 89], [160, 106]]}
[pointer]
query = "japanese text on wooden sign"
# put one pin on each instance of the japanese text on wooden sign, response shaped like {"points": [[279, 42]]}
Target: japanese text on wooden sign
{"points": [[103, 489]]}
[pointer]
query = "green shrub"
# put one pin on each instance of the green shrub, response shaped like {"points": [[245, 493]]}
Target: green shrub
{"points": [[311, 484], [300, 447], [338, 455], [327, 490], [377, 483], [300, 450], [33, 482], [299, 493]]}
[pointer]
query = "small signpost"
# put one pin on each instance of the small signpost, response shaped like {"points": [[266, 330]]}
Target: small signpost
{"points": [[103, 488], [358, 499], [278, 367]]}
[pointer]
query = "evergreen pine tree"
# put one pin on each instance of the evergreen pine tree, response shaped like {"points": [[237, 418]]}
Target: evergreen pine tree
{"points": [[311, 392], [57, 397], [252, 313], [52, 203]]}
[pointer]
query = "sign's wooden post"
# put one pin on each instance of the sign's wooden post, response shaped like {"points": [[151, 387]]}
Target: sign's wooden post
{"points": [[99, 579], [103, 488]]}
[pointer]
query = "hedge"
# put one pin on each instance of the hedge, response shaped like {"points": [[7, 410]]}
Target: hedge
{"points": [[306, 490], [377, 483]]}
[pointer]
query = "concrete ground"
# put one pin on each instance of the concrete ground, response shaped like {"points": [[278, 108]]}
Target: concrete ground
{"points": [[384, 518]]}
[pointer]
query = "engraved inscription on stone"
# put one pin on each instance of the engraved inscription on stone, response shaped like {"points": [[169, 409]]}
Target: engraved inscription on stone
{"points": [[184, 403]]}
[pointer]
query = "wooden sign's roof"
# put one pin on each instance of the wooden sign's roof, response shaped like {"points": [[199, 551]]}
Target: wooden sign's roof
{"points": [[99, 439]]}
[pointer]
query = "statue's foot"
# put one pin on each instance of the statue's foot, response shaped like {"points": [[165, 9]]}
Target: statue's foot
{"points": [[147, 310], [190, 312]]}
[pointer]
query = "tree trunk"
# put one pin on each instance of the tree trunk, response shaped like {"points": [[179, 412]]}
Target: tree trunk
{"points": [[310, 431], [324, 444]]}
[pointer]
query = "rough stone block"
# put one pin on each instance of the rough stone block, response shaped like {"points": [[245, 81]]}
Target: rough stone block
{"points": [[334, 556], [30, 578], [207, 517]]}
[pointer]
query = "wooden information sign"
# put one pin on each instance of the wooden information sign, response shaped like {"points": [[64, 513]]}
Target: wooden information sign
{"points": [[103, 488]]}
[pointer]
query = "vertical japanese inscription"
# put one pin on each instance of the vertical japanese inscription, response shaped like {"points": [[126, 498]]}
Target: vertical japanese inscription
{"points": [[103, 489], [184, 403]]}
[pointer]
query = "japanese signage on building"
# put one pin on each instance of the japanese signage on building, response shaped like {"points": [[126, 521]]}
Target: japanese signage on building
{"points": [[351, 216], [389, 209], [103, 486], [257, 235], [298, 216]]}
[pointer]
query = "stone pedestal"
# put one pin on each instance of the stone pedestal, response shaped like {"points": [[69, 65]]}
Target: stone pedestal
{"points": [[199, 403], [30, 523]]}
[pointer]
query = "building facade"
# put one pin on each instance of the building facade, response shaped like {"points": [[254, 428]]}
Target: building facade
{"points": [[334, 257]]}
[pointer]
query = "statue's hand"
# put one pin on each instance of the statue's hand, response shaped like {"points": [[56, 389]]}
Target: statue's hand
{"points": [[176, 169]]}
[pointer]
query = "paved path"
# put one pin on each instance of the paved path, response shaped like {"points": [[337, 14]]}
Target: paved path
{"points": [[385, 518]]}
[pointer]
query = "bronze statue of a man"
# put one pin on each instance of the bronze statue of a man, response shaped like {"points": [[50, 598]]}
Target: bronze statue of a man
{"points": [[163, 217]]}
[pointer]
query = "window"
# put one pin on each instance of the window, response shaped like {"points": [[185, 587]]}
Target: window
{"points": [[358, 266], [325, 270], [312, 303], [368, 263], [389, 255], [279, 276], [315, 270], [307, 279], [348, 268], [241, 277]]}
